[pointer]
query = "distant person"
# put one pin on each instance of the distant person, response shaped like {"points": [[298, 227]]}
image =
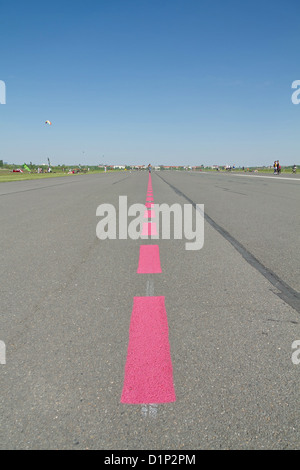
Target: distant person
{"points": [[275, 167], [278, 167], [294, 169], [149, 168]]}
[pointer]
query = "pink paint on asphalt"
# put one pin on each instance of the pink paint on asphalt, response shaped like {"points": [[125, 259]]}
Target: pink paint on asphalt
{"points": [[149, 204], [149, 214], [149, 228], [149, 260], [148, 370]]}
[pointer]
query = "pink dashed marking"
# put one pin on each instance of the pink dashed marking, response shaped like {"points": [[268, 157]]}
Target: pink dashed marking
{"points": [[148, 370], [149, 214], [149, 260], [149, 228]]}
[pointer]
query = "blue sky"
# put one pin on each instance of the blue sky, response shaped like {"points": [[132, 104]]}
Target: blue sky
{"points": [[163, 81]]}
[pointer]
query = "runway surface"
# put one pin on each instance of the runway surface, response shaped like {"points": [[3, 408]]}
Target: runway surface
{"points": [[142, 344]]}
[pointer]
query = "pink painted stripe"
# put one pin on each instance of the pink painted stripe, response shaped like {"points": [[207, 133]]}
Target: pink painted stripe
{"points": [[148, 370], [149, 204], [149, 214], [149, 260], [149, 228]]}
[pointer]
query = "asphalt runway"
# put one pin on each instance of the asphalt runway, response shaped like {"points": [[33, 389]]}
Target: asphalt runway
{"points": [[232, 313]]}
